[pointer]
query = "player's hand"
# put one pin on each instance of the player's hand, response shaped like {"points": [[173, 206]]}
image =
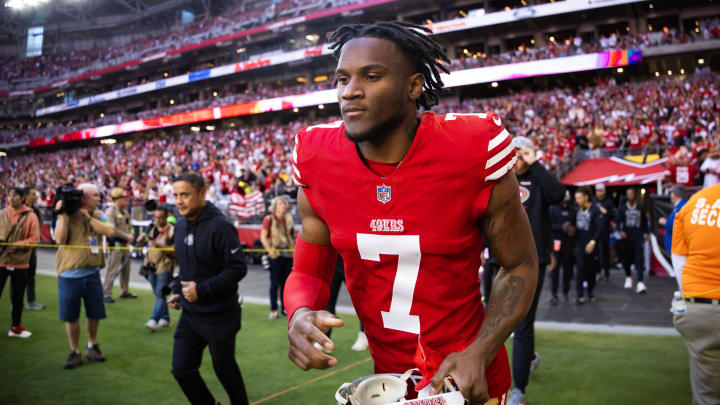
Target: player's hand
{"points": [[467, 368], [174, 301], [306, 327], [189, 290]]}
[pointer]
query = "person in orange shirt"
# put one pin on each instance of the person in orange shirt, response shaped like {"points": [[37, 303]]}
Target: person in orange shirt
{"points": [[696, 261]]}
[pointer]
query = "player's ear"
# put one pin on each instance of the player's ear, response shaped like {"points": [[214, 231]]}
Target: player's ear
{"points": [[416, 85]]}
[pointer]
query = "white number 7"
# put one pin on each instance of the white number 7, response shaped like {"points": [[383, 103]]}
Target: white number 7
{"points": [[407, 248]]}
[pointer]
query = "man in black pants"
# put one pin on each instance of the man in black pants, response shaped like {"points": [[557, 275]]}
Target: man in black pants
{"points": [[538, 190], [30, 199], [607, 209], [631, 222], [588, 226], [211, 265], [562, 217]]}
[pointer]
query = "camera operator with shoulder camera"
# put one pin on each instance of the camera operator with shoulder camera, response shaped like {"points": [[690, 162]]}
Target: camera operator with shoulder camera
{"points": [[18, 225], [159, 265], [79, 224], [212, 263], [119, 217]]}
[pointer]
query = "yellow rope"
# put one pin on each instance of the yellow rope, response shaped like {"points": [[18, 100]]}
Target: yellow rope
{"points": [[166, 249]]}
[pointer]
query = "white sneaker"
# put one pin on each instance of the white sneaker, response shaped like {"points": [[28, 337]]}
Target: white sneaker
{"points": [[273, 315], [516, 397], [163, 323], [641, 289], [628, 283], [361, 343], [19, 332], [534, 363], [151, 324]]}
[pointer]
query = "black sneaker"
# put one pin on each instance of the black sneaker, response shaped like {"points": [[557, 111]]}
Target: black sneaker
{"points": [[109, 300], [554, 300], [93, 353], [128, 295], [74, 360]]}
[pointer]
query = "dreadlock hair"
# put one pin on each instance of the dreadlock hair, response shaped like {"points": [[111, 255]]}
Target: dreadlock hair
{"points": [[414, 42]]}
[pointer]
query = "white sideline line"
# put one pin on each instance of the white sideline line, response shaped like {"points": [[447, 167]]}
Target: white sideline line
{"points": [[543, 325]]}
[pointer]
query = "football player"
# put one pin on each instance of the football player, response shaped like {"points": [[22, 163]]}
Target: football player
{"points": [[405, 200]]}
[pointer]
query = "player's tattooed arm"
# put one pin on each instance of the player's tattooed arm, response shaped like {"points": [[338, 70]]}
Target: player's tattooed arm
{"points": [[510, 239], [507, 230]]}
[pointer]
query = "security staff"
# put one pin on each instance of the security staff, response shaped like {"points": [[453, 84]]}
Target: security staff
{"points": [[696, 260], [119, 218], [588, 226]]}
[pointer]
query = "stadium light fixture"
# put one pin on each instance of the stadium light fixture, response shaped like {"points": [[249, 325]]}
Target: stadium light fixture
{"points": [[296, 109], [669, 72], [165, 74], [3, 154], [102, 115], [701, 61], [494, 84], [651, 6], [320, 78], [552, 38], [24, 4], [301, 80], [240, 50], [321, 106], [195, 129], [214, 93], [682, 71], [108, 141], [627, 28], [620, 70], [210, 127], [657, 74]]}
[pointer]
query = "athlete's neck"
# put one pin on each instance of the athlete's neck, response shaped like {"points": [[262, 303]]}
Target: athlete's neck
{"points": [[392, 147]]}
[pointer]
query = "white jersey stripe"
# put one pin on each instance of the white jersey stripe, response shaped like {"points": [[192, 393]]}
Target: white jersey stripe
{"points": [[498, 139], [295, 155], [500, 155], [297, 172], [501, 171]]}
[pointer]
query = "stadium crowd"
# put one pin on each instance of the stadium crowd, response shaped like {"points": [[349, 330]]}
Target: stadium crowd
{"points": [[65, 64], [658, 115]]}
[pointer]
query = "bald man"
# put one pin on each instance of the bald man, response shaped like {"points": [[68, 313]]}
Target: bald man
{"points": [[79, 272]]}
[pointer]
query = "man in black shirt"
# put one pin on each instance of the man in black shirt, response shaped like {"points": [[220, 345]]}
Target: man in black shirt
{"points": [[538, 190], [631, 222], [562, 217], [211, 265], [588, 226], [607, 209]]}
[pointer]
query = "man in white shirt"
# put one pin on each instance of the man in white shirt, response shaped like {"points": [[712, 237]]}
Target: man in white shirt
{"points": [[711, 167]]}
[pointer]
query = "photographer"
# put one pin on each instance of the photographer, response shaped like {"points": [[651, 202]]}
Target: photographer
{"points": [[211, 265], [159, 265], [19, 225], [80, 223], [277, 234], [119, 217]]}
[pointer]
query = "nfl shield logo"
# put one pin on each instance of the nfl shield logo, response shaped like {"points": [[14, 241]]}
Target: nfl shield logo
{"points": [[383, 193]]}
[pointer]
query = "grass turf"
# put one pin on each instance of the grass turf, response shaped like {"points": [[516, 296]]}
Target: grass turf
{"points": [[583, 368]]}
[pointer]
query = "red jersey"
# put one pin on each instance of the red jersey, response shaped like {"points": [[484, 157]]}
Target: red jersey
{"points": [[683, 175], [410, 240], [611, 141]]}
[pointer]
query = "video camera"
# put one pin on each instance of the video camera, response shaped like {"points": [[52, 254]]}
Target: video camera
{"points": [[71, 199], [151, 205]]}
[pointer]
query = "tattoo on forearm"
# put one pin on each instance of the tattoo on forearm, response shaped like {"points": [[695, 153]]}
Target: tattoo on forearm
{"points": [[502, 305]]}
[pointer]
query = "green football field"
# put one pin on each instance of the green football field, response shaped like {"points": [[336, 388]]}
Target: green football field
{"points": [[577, 368]]}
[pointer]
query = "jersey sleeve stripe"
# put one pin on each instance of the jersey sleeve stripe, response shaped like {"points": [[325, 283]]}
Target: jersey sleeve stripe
{"points": [[295, 154], [297, 172], [502, 170], [497, 157], [495, 142]]}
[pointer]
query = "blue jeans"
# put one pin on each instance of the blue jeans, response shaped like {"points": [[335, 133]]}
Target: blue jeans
{"points": [[158, 281], [73, 290]]}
